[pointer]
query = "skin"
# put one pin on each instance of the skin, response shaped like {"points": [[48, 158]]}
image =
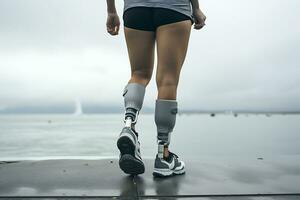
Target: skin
{"points": [[172, 44]]}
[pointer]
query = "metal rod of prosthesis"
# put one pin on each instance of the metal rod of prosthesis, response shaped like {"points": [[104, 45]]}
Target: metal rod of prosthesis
{"points": [[161, 148], [128, 122]]}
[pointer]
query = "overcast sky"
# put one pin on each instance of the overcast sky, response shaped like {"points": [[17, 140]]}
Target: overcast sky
{"points": [[57, 51]]}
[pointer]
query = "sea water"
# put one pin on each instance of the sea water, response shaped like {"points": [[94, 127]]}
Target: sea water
{"points": [[94, 136]]}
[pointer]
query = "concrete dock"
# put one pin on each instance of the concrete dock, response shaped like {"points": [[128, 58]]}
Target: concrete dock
{"points": [[240, 178]]}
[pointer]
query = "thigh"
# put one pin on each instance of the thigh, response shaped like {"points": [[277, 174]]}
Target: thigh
{"points": [[172, 44], [140, 18], [140, 47]]}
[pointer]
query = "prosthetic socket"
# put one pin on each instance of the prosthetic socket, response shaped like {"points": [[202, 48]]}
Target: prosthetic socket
{"points": [[133, 100], [165, 118]]}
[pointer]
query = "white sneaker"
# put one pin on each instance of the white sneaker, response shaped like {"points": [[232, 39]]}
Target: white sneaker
{"points": [[173, 166], [130, 156]]}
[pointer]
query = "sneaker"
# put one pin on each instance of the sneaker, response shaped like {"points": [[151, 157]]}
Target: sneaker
{"points": [[130, 157], [168, 167]]}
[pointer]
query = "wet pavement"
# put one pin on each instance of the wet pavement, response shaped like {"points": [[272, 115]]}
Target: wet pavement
{"points": [[237, 178]]}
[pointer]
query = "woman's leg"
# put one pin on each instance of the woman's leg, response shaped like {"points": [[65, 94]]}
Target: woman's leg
{"points": [[172, 44], [140, 47]]}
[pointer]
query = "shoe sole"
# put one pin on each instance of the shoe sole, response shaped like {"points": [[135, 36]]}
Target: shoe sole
{"points": [[167, 173], [126, 146], [128, 163]]}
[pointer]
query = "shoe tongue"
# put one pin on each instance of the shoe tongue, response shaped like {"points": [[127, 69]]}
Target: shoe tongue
{"points": [[169, 158], [173, 154]]}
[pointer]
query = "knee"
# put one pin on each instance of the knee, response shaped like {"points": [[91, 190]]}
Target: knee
{"points": [[167, 87], [167, 81], [141, 76]]}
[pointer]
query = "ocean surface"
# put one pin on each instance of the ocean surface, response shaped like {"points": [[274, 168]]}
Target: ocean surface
{"points": [[94, 136]]}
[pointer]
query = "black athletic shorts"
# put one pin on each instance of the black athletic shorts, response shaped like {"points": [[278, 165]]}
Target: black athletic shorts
{"points": [[149, 18]]}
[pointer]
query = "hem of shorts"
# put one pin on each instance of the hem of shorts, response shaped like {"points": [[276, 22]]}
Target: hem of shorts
{"points": [[157, 5]]}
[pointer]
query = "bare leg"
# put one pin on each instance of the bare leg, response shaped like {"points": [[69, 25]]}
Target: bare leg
{"points": [[172, 45], [140, 46]]}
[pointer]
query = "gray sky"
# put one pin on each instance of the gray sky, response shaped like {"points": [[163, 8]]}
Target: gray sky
{"points": [[56, 51]]}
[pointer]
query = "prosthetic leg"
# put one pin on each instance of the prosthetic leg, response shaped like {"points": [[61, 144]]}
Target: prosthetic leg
{"points": [[130, 157], [165, 118], [133, 100]]}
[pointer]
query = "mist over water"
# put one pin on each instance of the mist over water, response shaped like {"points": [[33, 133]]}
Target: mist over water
{"points": [[51, 136]]}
